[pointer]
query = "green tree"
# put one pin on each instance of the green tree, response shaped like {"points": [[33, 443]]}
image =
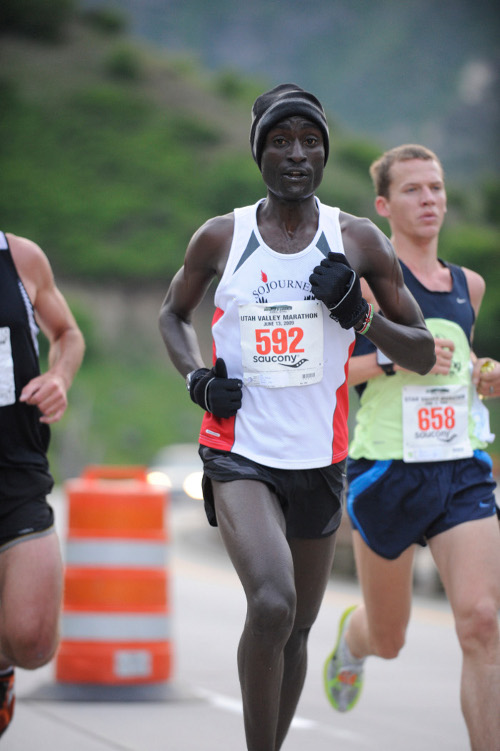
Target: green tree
{"points": [[41, 19]]}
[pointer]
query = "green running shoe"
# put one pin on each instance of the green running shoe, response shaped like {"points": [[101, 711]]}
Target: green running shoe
{"points": [[343, 679]]}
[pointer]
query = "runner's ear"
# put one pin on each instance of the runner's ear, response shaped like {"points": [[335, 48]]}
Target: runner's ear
{"points": [[382, 207]]}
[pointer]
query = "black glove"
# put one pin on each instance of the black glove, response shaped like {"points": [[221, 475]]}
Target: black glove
{"points": [[337, 285], [214, 391]]}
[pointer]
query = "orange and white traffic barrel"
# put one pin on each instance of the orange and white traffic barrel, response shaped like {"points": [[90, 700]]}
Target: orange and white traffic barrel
{"points": [[115, 625]]}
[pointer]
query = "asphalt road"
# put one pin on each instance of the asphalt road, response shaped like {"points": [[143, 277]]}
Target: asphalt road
{"points": [[409, 704]]}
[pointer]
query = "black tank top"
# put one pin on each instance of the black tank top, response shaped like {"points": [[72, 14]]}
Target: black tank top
{"points": [[24, 440], [454, 305]]}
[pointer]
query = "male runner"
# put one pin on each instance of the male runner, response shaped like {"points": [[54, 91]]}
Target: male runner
{"points": [[417, 469], [274, 434], [30, 561]]}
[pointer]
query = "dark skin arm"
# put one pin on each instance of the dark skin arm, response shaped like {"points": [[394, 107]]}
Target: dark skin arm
{"points": [[402, 334], [206, 257]]}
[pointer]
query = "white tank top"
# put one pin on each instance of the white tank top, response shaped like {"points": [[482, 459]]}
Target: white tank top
{"points": [[280, 341]]}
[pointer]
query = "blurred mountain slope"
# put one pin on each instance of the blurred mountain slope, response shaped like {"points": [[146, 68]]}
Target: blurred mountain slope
{"points": [[418, 70]]}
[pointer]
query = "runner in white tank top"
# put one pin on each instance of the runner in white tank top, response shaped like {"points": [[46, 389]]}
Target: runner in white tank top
{"points": [[275, 430], [290, 355]]}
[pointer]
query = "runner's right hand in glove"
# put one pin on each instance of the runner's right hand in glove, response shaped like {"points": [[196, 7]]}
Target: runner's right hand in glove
{"points": [[214, 392], [336, 284]]}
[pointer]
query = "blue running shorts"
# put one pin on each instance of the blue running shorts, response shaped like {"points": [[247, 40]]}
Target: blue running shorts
{"points": [[394, 505], [311, 499]]}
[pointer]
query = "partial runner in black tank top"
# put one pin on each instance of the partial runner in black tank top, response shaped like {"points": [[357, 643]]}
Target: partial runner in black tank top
{"points": [[24, 440]]}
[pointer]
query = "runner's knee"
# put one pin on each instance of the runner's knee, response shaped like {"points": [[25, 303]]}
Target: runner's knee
{"points": [[30, 648], [271, 614], [477, 628]]}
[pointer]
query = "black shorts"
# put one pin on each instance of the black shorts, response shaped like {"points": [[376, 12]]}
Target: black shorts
{"points": [[24, 511], [311, 499]]}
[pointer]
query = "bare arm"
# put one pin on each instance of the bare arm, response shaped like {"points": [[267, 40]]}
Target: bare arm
{"points": [[486, 371], [66, 345], [364, 367], [401, 332], [205, 258]]}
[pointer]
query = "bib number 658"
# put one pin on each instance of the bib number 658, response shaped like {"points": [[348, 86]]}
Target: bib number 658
{"points": [[436, 418]]}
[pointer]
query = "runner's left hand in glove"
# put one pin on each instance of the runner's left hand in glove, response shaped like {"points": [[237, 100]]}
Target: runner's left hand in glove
{"points": [[337, 285]]}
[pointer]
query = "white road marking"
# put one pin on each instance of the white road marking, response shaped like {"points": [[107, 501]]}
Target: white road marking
{"points": [[229, 704]]}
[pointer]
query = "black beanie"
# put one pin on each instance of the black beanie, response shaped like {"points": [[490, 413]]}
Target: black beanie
{"points": [[285, 100]]}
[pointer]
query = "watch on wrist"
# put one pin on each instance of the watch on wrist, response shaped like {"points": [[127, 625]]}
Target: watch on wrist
{"points": [[388, 368], [385, 363], [188, 380]]}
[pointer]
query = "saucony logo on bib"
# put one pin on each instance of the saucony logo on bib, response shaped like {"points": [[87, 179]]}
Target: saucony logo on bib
{"points": [[295, 365], [289, 360]]}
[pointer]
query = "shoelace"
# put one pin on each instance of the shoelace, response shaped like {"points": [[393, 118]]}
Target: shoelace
{"points": [[348, 677]]}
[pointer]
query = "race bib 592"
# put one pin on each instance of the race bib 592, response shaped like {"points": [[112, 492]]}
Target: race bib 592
{"points": [[282, 343]]}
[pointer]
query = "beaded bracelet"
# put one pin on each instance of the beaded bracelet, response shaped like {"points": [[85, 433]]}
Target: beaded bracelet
{"points": [[367, 321]]}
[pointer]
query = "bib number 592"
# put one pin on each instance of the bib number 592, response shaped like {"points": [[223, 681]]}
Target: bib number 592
{"points": [[278, 340]]}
